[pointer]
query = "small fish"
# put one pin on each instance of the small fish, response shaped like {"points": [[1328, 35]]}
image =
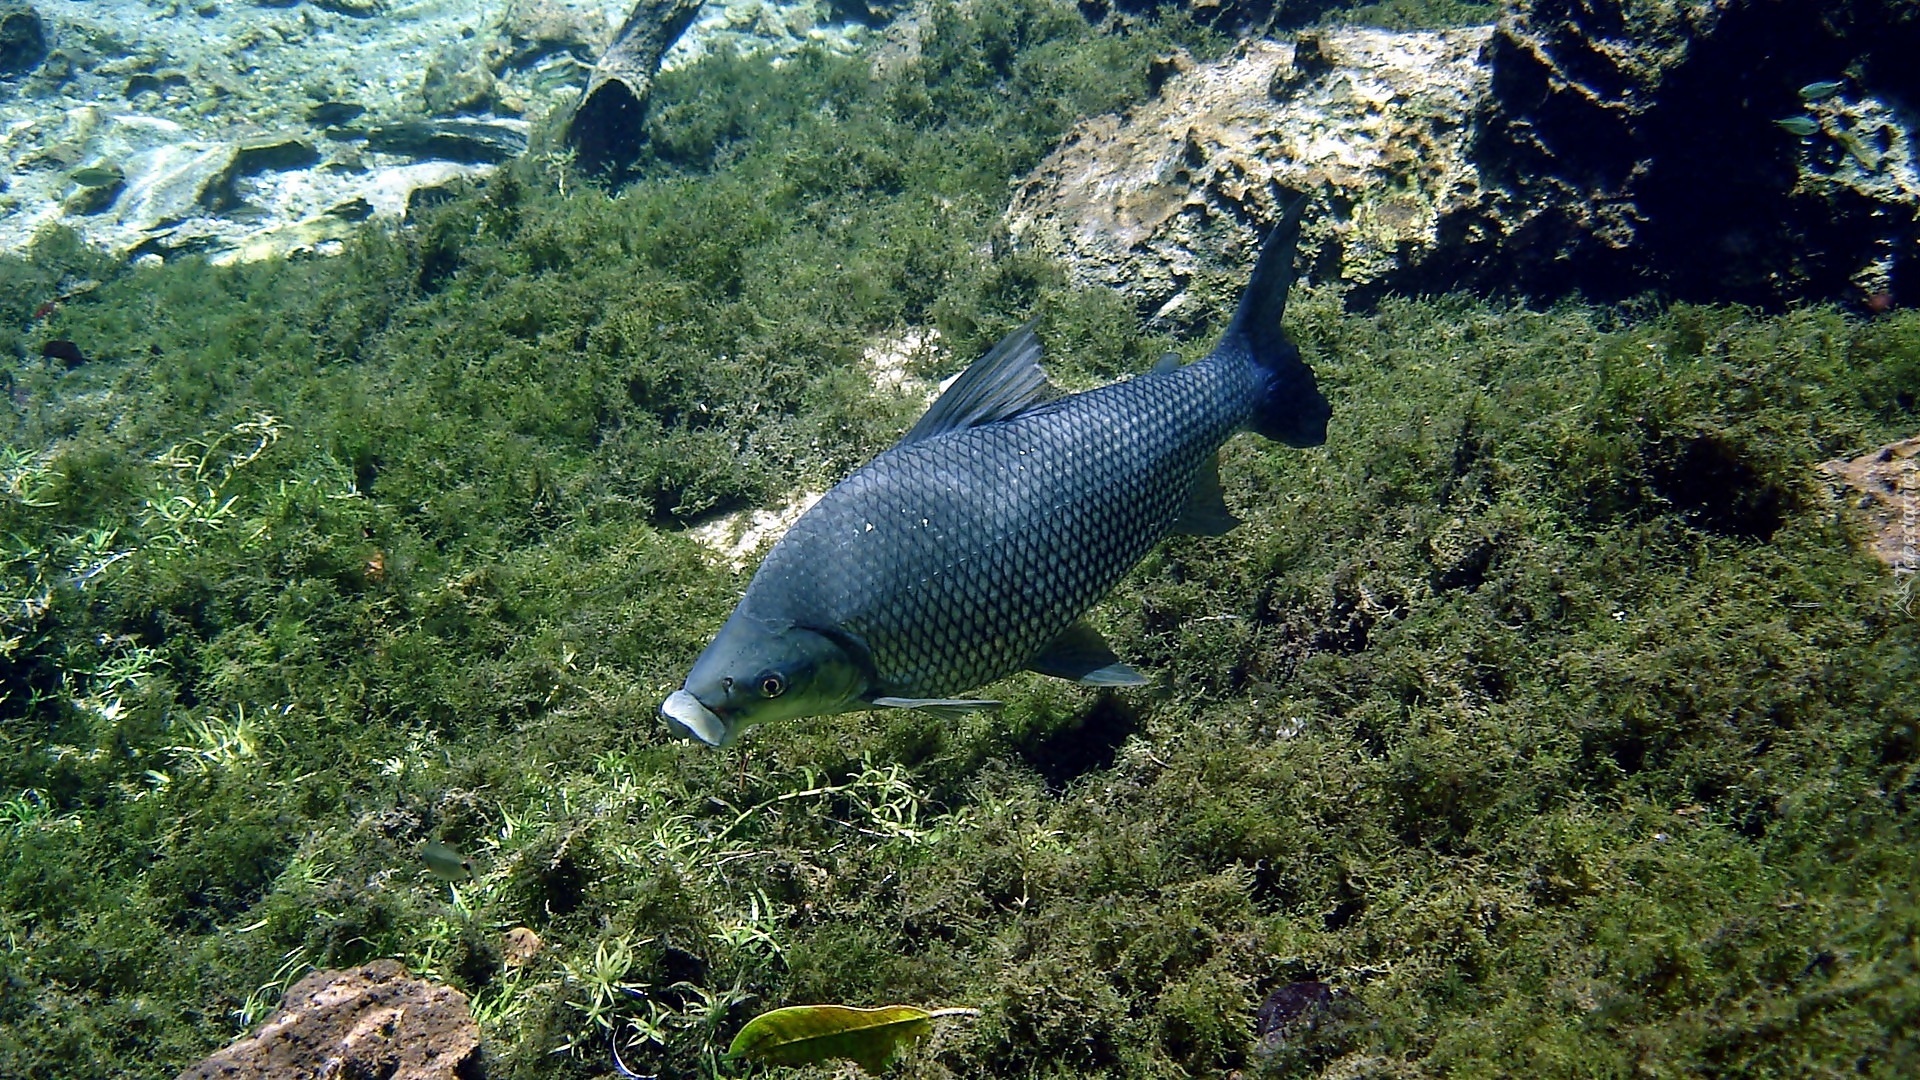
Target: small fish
{"points": [[972, 548], [74, 292], [1802, 126], [64, 351], [97, 176], [334, 113], [445, 863], [1820, 91]]}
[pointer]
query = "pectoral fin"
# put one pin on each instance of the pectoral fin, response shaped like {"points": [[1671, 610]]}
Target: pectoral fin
{"points": [[944, 708], [1206, 513], [1081, 654]]}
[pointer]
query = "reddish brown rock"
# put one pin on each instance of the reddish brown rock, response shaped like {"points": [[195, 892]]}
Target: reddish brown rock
{"points": [[1887, 486], [366, 1021], [522, 945]]}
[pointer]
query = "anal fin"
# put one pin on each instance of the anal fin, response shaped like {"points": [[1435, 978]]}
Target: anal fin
{"points": [[944, 708], [1082, 655], [1206, 513]]}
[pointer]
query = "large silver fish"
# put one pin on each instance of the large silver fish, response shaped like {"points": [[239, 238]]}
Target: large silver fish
{"points": [[971, 549]]}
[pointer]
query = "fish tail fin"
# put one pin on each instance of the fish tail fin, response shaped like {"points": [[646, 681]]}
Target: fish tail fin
{"points": [[1289, 407]]}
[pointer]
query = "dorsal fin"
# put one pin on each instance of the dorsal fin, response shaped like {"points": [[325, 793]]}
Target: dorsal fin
{"points": [[1167, 362], [1006, 381]]}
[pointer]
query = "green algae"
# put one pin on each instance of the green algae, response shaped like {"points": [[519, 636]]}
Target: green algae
{"points": [[1549, 712]]}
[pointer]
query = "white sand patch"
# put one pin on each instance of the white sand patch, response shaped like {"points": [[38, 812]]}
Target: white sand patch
{"points": [[737, 538], [889, 363]]}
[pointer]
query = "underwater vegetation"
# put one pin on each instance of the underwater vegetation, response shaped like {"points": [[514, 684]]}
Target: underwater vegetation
{"points": [[1548, 716]]}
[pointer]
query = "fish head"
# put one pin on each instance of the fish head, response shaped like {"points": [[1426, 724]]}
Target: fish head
{"points": [[758, 670]]}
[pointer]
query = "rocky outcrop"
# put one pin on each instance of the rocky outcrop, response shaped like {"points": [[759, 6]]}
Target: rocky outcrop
{"points": [[1885, 488], [1748, 151], [533, 30], [1374, 123], [1756, 151], [145, 185], [23, 39], [366, 1021]]}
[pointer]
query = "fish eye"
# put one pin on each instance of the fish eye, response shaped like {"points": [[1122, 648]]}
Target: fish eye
{"points": [[771, 684]]}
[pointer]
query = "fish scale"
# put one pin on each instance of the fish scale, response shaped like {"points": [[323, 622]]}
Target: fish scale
{"points": [[972, 548], [1028, 524]]}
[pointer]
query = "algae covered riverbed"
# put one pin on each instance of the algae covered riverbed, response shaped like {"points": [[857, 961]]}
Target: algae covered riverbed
{"points": [[1550, 714]]}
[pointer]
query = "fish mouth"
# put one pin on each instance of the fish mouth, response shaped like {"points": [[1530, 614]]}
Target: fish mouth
{"points": [[688, 718]]}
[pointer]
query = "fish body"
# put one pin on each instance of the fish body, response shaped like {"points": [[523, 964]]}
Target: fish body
{"points": [[446, 863], [97, 176], [972, 548]]}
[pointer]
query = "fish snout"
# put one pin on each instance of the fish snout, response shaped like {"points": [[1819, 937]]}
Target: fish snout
{"points": [[689, 718]]}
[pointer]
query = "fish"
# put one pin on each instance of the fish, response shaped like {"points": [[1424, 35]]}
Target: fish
{"points": [[1802, 126], [446, 863], [334, 113], [1820, 91], [973, 548], [64, 351], [97, 176]]}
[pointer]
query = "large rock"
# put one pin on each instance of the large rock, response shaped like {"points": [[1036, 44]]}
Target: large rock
{"points": [[1372, 122], [1750, 151], [1639, 144], [23, 39], [468, 140], [366, 1021], [167, 191], [457, 81], [1886, 489], [531, 30]]}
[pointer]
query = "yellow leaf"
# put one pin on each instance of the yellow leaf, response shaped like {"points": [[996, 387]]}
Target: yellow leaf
{"points": [[810, 1034]]}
